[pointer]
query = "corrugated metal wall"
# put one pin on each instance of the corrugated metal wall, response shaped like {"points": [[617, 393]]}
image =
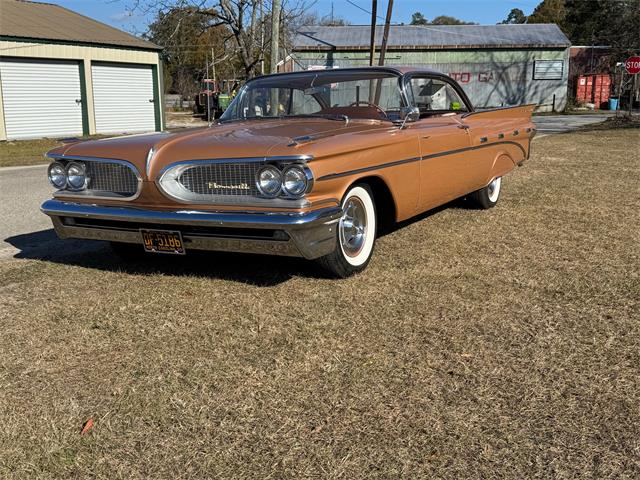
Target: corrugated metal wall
{"points": [[490, 78], [86, 55]]}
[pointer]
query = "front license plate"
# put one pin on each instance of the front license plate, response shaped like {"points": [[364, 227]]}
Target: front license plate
{"points": [[163, 241]]}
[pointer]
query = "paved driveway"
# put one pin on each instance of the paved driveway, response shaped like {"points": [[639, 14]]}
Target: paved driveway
{"points": [[25, 231], [548, 124]]}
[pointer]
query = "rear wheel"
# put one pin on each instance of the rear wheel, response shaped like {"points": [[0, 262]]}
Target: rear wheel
{"points": [[356, 234], [488, 196]]}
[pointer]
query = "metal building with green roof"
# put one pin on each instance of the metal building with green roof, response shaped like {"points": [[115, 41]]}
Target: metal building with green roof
{"points": [[497, 65]]}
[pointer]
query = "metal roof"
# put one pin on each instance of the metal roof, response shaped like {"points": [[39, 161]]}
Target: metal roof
{"points": [[45, 21], [416, 37]]}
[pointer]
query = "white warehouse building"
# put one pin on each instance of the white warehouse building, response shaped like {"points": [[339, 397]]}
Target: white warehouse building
{"points": [[63, 74]]}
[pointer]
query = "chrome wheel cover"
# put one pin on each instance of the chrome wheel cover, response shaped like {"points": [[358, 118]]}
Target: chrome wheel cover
{"points": [[493, 189], [353, 227]]}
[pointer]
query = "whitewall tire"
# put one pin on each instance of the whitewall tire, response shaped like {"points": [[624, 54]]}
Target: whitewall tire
{"points": [[488, 196], [356, 233]]}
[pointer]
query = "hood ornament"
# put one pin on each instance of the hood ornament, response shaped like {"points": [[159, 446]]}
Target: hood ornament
{"points": [[147, 166]]}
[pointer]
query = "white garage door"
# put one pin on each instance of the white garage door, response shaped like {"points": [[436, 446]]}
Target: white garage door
{"points": [[41, 98], [123, 98]]}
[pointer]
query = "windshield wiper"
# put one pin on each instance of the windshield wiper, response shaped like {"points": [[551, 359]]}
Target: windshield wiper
{"points": [[244, 119], [328, 116]]}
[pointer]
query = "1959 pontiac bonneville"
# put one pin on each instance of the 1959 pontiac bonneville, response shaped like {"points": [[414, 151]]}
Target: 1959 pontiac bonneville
{"points": [[303, 164]]}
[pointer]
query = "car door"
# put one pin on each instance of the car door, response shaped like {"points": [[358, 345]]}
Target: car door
{"points": [[447, 168]]}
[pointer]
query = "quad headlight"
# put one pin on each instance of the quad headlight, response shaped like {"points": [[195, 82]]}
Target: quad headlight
{"points": [[76, 176], [269, 181], [57, 175], [72, 176], [292, 182]]}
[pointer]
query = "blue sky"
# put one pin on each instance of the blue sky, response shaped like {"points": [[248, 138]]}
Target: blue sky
{"points": [[114, 12]]}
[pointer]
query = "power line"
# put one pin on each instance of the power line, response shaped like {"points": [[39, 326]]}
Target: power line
{"points": [[363, 9]]}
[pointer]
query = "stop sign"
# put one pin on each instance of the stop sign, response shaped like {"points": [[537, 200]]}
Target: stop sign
{"points": [[632, 65]]}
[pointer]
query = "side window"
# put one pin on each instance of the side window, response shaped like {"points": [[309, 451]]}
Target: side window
{"points": [[434, 95]]}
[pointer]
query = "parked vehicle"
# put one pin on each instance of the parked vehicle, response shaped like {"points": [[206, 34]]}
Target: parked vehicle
{"points": [[214, 97], [306, 164]]}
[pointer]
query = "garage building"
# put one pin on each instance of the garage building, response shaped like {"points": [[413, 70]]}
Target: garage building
{"points": [[63, 74], [497, 65]]}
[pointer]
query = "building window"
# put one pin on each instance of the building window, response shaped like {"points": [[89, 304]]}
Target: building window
{"points": [[548, 69]]}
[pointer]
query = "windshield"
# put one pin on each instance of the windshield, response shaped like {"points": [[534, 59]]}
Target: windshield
{"points": [[329, 94]]}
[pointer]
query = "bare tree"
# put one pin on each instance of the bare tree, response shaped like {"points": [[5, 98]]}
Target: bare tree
{"points": [[248, 22]]}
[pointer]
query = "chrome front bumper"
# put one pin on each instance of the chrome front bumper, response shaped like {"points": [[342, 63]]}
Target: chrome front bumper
{"points": [[309, 235]]}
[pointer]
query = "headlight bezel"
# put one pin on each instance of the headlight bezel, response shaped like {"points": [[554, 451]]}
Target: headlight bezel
{"points": [[83, 169], [63, 169], [307, 177], [278, 172]]}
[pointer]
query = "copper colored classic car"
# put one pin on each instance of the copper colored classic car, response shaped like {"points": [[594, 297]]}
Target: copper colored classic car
{"points": [[306, 164]]}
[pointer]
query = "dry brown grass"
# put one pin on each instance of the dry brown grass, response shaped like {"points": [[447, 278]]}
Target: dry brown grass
{"points": [[30, 152], [25, 152], [478, 344]]}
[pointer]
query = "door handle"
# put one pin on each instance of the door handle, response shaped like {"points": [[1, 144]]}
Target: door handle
{"points": [[78, 101], [151, 100], [463, 126]]}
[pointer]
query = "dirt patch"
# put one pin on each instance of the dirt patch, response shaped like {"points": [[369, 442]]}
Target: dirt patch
{"points": [[501, 343], [177, 120], [618, 121]]}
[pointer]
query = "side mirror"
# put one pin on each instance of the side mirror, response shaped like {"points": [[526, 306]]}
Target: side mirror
{"points": [[409, 114]]}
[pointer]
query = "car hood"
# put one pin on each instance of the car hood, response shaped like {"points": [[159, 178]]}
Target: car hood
{"points": [[257, 138]]}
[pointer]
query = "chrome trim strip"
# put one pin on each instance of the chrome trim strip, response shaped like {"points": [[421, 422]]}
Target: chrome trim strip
{"points": [[331, 176], [285, 220], [71, 193], [147, 163], [207, 161]]}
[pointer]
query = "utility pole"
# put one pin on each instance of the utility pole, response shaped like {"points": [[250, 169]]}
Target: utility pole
{"points": [[372, 52], [261, 37], [275, 34], [208, 93], [213, 66], [383, 48], [385, 35], [275, 44]]}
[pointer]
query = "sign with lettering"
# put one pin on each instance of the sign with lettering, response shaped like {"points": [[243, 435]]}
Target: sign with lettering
{"points": [[632, 65]]}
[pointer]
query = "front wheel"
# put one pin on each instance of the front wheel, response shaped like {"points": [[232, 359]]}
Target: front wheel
{"points": [[488, 196], [356, 234]]}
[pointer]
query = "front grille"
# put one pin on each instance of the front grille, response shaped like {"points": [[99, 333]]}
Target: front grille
{"points": [[111, 177], [222, 179]]}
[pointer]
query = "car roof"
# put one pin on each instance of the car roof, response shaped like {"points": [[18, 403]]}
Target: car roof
{"points": [[398, 69]]}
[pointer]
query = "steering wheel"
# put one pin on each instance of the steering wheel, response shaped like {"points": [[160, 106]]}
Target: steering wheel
{"points": [[371, 104]]}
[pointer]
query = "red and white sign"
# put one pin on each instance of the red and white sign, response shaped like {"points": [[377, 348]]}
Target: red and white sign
{"points": [[632, 65]]}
